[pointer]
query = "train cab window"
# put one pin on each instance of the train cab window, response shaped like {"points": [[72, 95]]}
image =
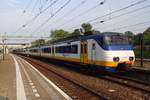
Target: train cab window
{"points": [[116, 39]]}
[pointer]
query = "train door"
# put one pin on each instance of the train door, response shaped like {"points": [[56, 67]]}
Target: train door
{"points": [[93, 52], [52, 51], [84, 52], [40, 51]]}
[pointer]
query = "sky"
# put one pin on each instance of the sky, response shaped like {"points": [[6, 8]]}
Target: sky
{"points": [[18, 17]]}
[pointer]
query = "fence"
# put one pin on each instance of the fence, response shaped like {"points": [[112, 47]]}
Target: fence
{"points": [[146, 51]]}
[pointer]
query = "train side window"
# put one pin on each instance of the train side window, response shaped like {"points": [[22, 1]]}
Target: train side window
{"points": [[66, 49], [49, 50], [61, 49], [69, 49], [35, 50], [57, 49], [74, 49], [46, 50], [53, 50], [93, 46]]}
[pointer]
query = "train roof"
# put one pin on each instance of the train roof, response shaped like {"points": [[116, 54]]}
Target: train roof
{"points": [[96, 35]]}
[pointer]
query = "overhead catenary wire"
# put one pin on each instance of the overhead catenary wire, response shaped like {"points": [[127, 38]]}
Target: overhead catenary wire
{"points": [[94, 22], [44, 3], [70, 11], [124, 8], [110, 9], [40, 6], [34, 18], [81, 14], [24, 11], [129, 12], [41, 12], [143, 28], [29, 3], [73, 9], [129, 25], [47, 20], [113, 12], [34, 6], [126, 19]]}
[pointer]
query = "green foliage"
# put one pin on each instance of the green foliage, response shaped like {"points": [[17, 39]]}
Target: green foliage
{"points": [[147, 36], [57, 34], [87, 27], [136, 39], [129, 34], [76, 32], [146, 53], [38, 42]]}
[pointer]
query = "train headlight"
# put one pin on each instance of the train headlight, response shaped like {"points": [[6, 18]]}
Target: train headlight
{"points": [[131, 58], [116, 59]]}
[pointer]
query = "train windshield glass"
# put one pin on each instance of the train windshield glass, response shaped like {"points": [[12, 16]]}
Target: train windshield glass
{"points": [[116, 39]]}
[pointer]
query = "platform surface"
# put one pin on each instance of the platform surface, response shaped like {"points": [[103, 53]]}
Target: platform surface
{"points": [[20, 81]]}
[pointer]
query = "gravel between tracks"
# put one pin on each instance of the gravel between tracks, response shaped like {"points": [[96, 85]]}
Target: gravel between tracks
{"points": [[112, 90]]}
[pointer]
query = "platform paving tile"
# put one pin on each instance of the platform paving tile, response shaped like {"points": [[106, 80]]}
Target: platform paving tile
{"points": [[7, 79], [35, 87]]}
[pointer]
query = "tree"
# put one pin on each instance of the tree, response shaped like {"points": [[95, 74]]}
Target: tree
{"points": [[129, 34], [38, 42], [87, 27], [76, 32], [57, 34], [137, 38], [146, 34]]}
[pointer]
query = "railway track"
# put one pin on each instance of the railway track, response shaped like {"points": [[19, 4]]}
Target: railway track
{"points": [[129, 82], [122, 80], [85, 92], [145, 60]]}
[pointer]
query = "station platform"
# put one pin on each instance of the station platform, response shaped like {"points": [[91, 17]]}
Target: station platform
{"points": [[19, 80]]}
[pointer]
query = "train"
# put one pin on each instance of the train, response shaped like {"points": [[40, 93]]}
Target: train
{"points": [[108, 51]]}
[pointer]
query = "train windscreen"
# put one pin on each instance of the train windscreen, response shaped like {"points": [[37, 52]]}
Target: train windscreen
{"points": [[116, 39]]}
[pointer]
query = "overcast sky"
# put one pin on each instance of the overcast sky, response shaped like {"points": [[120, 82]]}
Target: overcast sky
{"points": [[14, 14]]}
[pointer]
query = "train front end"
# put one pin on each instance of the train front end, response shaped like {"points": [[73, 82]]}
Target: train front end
{"points": [[117, 52]]}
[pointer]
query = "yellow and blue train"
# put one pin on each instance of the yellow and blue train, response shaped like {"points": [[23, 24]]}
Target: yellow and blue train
{"points": [[107, 51]]}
